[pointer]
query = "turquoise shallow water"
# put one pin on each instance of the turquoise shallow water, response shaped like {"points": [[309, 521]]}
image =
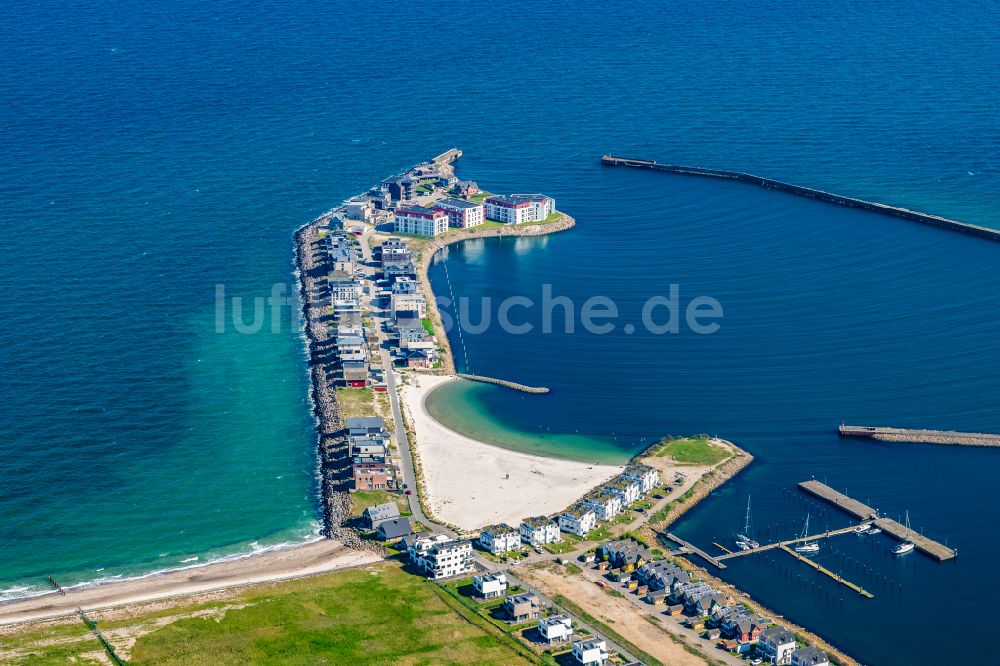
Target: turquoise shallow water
{"points": [[149, 151]]}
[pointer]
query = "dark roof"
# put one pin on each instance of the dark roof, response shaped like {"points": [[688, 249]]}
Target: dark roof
{"points": [[451, 202], [395, 528], [811, 655], [365, 422], [778, 635], [382, 511]]}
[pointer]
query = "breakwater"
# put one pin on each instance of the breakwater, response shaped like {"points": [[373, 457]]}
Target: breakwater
{"points": [[811, 193], [313, 264], [505, 383], [947, 437]]}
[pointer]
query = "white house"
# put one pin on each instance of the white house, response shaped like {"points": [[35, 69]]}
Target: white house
{"points": [[591, 652], [646, 476], [776, 645], [448, 558], [490, 585], [407, 303], [461, 213], [556, 628], [578, 519], [626, 489], [605, 504], [539, 530], [344, 286], [810, 656], [421, 221], [519, 208], [499, 539]]}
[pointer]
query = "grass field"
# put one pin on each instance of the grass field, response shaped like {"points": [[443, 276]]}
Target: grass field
{"points": [[356, 402], [362, 499], [367, 616], [376, 615], [693, 451]]}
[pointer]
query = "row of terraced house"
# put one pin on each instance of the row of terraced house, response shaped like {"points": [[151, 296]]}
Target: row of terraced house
{"points": [[604, 503], [735, 627]]}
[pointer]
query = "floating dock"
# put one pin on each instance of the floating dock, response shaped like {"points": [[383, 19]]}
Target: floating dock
{"points": [[783, 544], [862, 511], [843, 581], [951, 437], [808, 192]]}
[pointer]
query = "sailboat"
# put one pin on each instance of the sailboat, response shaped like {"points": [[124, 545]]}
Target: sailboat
{"points": [[807, 546], [907, 545], [743, 540]]}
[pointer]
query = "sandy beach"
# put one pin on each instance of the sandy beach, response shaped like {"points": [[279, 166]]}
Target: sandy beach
{"points": [[305, 560], [465, 479]]}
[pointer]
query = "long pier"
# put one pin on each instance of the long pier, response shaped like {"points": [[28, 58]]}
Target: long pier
{"points": [[784, 544], [891, 527], [949, 437], [811, 193], [837, 577]]}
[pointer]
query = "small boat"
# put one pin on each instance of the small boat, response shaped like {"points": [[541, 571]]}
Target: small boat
{"points": [[905, 546], [743, 540], [862, 528], [807, 547], [871, 531]]}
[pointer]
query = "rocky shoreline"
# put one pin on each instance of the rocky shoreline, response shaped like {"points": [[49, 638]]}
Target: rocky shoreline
{"points": [[331, 443]]}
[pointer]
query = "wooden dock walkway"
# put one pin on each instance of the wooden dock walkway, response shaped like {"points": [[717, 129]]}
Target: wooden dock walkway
{"points": [[862, 511], [937, 550], [859, 510], [843, 581], [691, 548], [947, 437], [783, 544]]}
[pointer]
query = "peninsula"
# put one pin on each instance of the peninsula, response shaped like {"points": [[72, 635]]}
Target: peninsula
{"points": [[518, 558]]}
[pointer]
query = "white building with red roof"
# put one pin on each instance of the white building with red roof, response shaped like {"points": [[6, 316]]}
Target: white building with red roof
{"points": [[421, 221]]}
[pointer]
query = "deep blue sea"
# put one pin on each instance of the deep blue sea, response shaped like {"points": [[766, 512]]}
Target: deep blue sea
{"points": [[151, 151]]}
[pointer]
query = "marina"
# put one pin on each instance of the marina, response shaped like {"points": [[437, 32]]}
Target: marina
{"points": [[891, 527]]}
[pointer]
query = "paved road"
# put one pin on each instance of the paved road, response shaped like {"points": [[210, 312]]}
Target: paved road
{"points": [[392, 381]]}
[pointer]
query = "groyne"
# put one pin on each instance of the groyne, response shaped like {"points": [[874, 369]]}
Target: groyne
{"points": [[456, 236], [946, 437], [312, 263], [811, 193], [505, 383]]}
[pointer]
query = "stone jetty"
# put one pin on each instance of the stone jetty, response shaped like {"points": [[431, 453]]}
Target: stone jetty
{"points": [[504, 382], [947, 437], [811, 193]]}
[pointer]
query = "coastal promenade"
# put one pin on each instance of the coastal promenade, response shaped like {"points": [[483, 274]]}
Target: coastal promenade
{"points": [[810, 193]]}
